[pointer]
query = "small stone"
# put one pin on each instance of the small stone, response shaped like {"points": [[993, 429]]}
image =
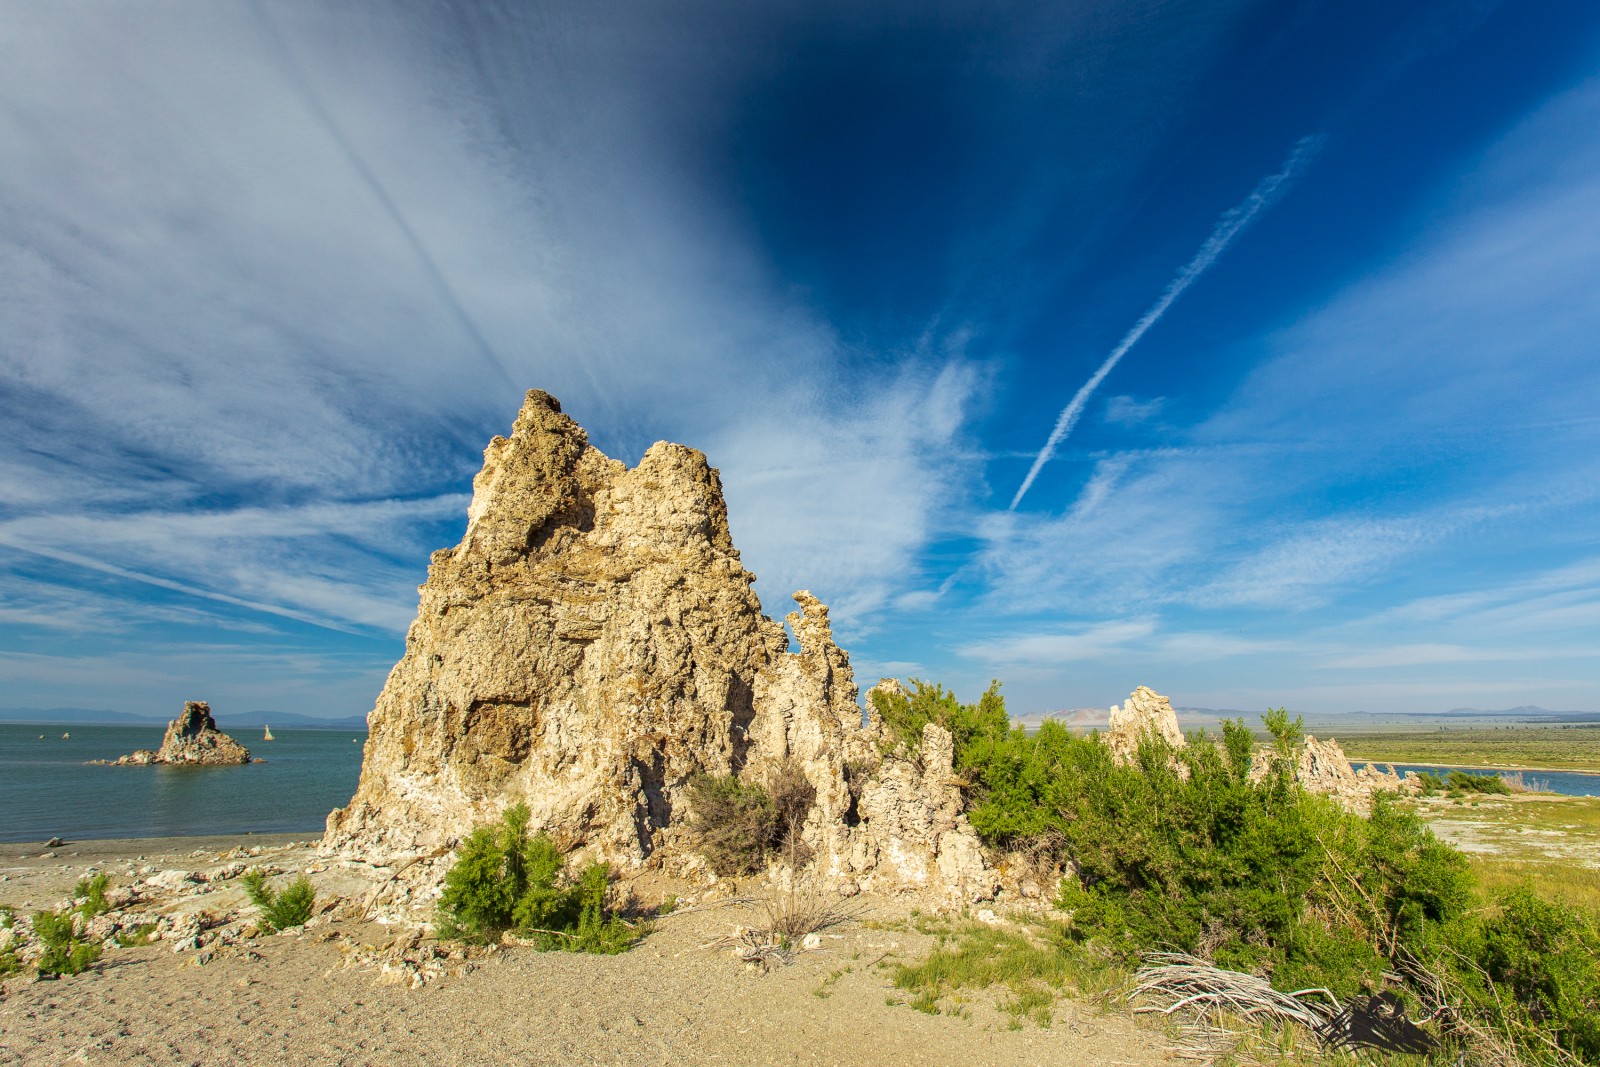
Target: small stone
{"points": [[811, 942], [54, 842]]}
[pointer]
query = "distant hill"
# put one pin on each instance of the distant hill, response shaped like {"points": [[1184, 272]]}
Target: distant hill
{"points": [[1528, 713], [101, 717]]}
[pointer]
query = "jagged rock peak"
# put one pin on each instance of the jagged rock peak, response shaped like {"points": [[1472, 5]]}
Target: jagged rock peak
{"points": [[1145, 712], [591, 644]]}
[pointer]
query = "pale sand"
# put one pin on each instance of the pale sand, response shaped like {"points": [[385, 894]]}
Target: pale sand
{"points": [[668, 1001]]}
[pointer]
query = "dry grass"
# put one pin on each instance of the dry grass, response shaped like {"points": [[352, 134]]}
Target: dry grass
{"points": [[1552, 843], [1565, 748], [789, 918]]}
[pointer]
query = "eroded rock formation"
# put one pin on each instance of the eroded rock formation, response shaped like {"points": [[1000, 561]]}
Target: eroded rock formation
{"points": [[1145, 713], [191, 738], [1322, 767], [590, 646]]}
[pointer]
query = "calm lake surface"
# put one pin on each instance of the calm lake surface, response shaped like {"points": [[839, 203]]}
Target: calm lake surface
{"points": [[1568, 783], [46, 790]]}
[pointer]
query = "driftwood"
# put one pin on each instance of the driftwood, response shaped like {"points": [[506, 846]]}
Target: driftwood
{"points": [[1207, 995]]}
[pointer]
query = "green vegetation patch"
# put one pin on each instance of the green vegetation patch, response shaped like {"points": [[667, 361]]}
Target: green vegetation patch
{"points": [[64, 952], [281, 909], [504, 880], [92, 892], [1035, 964]]}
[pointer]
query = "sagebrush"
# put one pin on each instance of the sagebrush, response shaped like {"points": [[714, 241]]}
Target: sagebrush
{"points": [[738, 826]]}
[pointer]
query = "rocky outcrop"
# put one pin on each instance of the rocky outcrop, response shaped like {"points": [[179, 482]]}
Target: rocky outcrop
{"points": [[594, 643], [1322, 767], [191, 738], [1146, 713]]}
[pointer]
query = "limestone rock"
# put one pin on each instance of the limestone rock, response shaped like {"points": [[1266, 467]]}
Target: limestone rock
{"points": [[591, 645], [191, 738], [1322, 767], [1145, 712]]}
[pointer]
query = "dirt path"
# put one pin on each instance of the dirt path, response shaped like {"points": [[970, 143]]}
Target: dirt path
{"points": [[287, 1000]]}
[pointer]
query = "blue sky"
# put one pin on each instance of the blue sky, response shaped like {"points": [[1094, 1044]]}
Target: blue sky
{"points": [[272, 274]]}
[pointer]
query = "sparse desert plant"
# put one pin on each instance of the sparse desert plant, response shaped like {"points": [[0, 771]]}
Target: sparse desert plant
{"points": [[92, 891], [793, 914], [284, 908], [503, 880], [64, 951], [142, 934]]}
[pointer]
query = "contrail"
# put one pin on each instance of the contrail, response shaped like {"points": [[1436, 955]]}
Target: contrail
{"points": [[1230, 225]]}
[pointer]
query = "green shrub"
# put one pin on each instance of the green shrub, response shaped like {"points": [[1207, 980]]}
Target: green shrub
{"points": [[142, 934], [64, 953], [905, 715], [1466, 782], [291, 906], [505, 880], [1532, 966], [92, 891], [1431, 783]]}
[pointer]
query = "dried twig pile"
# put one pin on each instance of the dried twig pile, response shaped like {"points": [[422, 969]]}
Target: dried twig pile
{"points": [[1177, 982]]}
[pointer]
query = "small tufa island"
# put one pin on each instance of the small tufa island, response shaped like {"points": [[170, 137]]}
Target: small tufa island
{"points": [[192, 739]]}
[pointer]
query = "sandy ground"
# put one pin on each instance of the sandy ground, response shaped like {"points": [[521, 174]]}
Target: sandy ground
{"points": [[314, 997]]}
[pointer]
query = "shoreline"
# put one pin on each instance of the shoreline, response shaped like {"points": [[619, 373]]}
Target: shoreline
{"points": [[1591, 772], [113, 847]]}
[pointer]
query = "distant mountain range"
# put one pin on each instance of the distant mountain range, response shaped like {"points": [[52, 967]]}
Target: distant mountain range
{"points": [[233, 721]]}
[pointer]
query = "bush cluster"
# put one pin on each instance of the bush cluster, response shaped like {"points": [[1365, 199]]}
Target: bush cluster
{"points": [[739, 825], [1467, 782], [503, 880], [1183, 851]]}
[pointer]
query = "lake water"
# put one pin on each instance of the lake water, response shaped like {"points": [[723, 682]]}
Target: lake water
{"points": [[1568, 783], [46, 789]]}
